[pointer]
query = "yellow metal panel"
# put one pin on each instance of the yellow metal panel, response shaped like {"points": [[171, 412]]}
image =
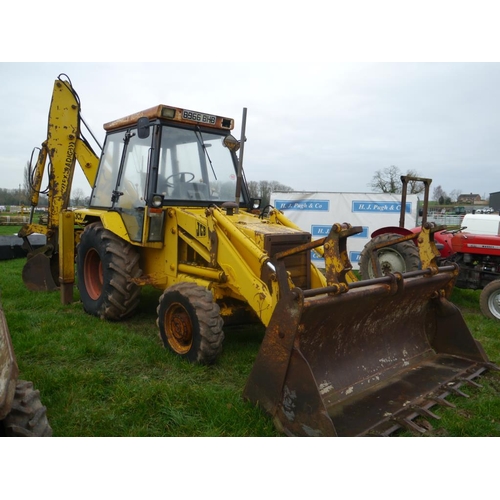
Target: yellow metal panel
{"points": [[66, 255], [243, 281], [171, 257], [66, 247], [194, 222], [110, 220], [63, 132], [87, 160]]}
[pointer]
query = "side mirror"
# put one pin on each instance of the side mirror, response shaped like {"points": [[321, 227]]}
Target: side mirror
{"points": [[231, 143], [143, 127]]}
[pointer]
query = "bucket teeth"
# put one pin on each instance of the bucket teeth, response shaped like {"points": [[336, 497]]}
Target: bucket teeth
{"points": [[492, 367], [470, 382], [408, 350], [455, 390], [425, 412], [442, 402], [412, 426]]}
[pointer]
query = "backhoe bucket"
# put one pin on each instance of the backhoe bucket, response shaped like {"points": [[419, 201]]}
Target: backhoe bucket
{"points": [[367, 361], [40, 272]]}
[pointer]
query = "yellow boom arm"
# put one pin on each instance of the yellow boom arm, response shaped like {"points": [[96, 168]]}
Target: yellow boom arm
{"points": [[63, 147]]}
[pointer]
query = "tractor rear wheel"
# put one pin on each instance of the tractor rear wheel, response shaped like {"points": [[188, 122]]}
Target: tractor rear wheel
{"points": [[190, 323], [401, 257], [28, 417], [489, 300], [105, 265]]}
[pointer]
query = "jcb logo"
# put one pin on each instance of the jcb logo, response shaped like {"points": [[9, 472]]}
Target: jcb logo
{"points": [[201, 230]]}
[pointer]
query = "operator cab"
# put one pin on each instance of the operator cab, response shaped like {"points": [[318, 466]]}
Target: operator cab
{"points": [[166, 156]]}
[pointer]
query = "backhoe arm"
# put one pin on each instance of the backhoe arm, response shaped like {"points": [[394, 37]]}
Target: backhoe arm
{"points": [[63, 147]]}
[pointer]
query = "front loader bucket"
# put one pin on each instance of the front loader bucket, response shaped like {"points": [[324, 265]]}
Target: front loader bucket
{"points": [[364, 362]]}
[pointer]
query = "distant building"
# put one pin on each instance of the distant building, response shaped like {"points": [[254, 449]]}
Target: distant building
{"points": [[469, 198]]}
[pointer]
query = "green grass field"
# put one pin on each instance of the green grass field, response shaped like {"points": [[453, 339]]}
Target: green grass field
{"points": [[115, 379]]}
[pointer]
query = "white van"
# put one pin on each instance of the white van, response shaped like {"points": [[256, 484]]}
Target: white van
{"points": [[481, 224]]}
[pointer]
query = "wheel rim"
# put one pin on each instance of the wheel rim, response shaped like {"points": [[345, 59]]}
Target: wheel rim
{"points": [[178, 328], [390, 262], [92, 274], [494, 304]]}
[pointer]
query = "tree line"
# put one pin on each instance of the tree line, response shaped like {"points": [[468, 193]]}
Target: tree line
{"points": [[13, 197], [388, 180], [263, 190], [21, 196]]}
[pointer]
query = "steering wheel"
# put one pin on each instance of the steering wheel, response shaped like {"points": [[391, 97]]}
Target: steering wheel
{"points": [[178, 174], [455, 231]]}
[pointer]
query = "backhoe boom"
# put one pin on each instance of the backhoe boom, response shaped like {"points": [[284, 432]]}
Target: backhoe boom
{"points": [[63, 147]]}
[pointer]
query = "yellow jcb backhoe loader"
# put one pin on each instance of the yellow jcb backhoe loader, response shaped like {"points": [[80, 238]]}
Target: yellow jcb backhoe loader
{"points": [[170, 208]]}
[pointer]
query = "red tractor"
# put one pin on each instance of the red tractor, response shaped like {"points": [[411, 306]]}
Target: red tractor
{"points": [[478, 258], [474, 247]]}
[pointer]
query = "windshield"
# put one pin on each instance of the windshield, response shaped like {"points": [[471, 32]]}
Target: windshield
{"points": [[195, 165]]}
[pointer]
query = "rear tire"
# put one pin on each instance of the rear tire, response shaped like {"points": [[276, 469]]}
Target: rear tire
{"points": [[28, 417], [489, 300], [105, 266], [190, 323], [401, 257]]}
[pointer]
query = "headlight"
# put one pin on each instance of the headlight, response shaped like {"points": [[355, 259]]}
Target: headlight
{"points": [[167, 112], [256, 203], [157, 200]]}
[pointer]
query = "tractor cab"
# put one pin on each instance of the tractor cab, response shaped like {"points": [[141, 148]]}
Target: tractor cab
{"points": [[165, 156]]}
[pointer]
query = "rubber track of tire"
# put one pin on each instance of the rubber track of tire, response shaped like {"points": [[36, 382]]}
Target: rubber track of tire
{"points": [[411, 254], [28, 417], [209, 317], [125, 297]]}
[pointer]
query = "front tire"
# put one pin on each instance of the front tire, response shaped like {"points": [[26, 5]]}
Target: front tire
{"points": [[28, 417], [489, 300], [105, 266], [190, 323], [401, 257]]}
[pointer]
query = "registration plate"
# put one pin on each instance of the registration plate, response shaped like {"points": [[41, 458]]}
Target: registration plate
{"points": [[198, 117]]}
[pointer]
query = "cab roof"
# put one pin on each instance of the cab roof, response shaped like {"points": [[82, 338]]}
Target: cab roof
{"points": [[171, 113]]}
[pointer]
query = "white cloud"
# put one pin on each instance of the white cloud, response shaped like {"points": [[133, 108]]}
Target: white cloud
{"points": [[310, 126]]}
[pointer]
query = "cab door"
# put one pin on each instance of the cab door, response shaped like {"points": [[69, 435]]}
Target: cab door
{"points": [[121, 182], [130, 194]]}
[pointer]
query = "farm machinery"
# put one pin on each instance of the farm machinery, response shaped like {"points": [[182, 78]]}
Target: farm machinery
{"points": [[170, 208], [478, 259], [474, 247], [21, 411]]}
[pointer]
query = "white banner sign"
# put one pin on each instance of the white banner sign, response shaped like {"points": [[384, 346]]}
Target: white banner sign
{"points": [[316, 212]]}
